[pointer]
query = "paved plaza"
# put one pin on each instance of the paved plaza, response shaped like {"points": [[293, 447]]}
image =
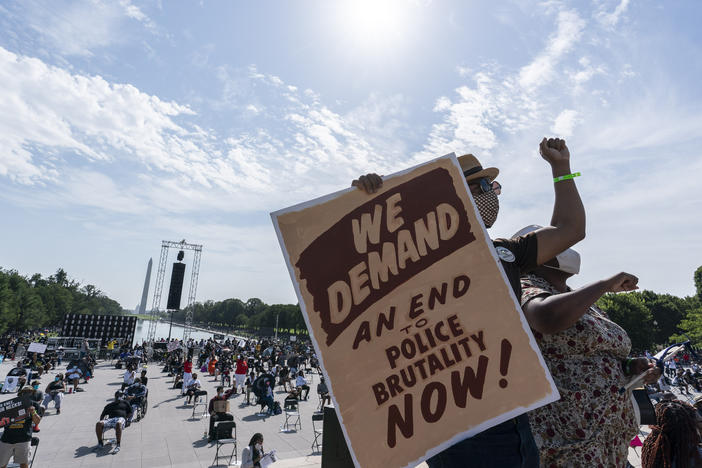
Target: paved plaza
{"points": [[169, 436]]}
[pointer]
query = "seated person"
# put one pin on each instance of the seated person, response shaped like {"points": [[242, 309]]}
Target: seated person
{"points": [[114, 416], [74, 374], [37, 397], [136, 394], [253, 453], [217, 410], [194, 390], [128, 376], [178, 382], [267, 399], [144, 379], [674, 440], [323, 392], [301, 384], [54, 392]]}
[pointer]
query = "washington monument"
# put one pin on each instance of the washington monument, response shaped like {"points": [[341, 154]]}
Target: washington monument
{"points": [[145, 293]]}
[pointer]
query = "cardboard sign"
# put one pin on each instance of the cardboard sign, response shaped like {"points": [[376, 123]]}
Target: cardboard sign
{"points": [[14, 410], [420, 335], [36, 348], [172, 346], [221, 406]]}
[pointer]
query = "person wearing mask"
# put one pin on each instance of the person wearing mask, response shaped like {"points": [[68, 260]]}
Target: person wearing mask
{"points": [[193, 389], [144, 379], [514, 437], [54, 392], [586, 353], [128, 377], [16, 438], [187, 372], [253, 453], [74, 374], [218, 409]]}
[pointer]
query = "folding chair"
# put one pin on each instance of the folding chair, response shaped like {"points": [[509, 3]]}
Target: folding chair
{"points": [[199, 401], [317, 431], [226, 434], [292, 414]]}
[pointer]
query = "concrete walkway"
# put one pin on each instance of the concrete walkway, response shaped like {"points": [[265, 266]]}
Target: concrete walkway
{"points": [[169, 436]]}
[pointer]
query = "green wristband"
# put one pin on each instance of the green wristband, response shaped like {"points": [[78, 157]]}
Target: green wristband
{"points": [[566, 177]]}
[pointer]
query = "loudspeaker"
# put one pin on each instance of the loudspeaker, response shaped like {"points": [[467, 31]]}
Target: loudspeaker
{"points": [[176, 288], [335, 454]]}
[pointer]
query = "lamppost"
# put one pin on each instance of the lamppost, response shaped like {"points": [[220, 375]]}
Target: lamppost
{"points": [[276, 325]]}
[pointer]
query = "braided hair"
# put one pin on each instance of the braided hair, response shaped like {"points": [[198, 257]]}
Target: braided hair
{"points": [[673, 438]]}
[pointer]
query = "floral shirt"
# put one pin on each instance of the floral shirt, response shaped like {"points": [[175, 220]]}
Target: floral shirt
{"points": [[592, 424]]}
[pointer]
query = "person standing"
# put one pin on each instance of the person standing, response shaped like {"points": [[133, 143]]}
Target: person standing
{"points": [[187, 372], [587, 356], [514, 438], [17, 437], [242, 367]]}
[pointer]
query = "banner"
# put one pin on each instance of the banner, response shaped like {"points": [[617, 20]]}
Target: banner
{"points": [[419, 333], [172, 346], [14, 410], [36, 348]]}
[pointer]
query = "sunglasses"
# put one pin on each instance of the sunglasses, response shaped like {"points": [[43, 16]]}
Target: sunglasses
{"points": [[487, 186]]}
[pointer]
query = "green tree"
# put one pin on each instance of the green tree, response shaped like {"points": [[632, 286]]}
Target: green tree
{"points": [[698, 283], [630, 312]]}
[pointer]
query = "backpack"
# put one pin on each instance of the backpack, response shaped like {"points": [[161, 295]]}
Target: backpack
{"points": [[276, 408]]}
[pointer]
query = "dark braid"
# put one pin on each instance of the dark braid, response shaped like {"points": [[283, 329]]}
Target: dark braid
{"points": [[674, 438]]}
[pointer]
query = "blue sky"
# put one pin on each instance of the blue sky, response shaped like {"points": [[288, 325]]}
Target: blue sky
{"points": [[123, 123]]}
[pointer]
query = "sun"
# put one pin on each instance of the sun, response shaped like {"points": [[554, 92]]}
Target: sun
{"points": [[375, 24]]}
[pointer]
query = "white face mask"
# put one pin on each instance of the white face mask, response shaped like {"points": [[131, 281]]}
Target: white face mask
{"points": [[258, 447]]}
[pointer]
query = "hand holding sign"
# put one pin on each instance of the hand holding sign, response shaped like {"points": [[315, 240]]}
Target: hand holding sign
{"points": [[402, 275]]}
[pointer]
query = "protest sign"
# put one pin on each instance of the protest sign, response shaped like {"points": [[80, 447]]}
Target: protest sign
{"points": [[36, 348], [419, 333], [173, 345], [14, 410]]}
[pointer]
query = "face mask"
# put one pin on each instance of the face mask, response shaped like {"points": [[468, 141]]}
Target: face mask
{"points": [[56, 379], [258, 447], [35, 387], [488, 206]]}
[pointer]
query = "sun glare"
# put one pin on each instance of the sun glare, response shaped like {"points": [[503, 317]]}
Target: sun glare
{"points": [[376, 24]]}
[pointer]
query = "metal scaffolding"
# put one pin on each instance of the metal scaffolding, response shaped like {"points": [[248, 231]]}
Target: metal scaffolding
{"points": [[194, 276]]}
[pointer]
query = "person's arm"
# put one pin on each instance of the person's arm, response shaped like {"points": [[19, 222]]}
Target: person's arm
{"points": [[568, 220], [552, 314], [104, 413], [35, 416]]}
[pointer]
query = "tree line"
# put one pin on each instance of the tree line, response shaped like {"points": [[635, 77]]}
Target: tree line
{"points": [[653, 319], [28, 303], [36, 302], [250, 315]]}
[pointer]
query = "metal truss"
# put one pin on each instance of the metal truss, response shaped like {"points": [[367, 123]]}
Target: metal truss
{"points": [[194, 276]]}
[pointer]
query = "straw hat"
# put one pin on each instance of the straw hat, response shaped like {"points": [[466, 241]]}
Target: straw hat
{"points": [[473, 170]]}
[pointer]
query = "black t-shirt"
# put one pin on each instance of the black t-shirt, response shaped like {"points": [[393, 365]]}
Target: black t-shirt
{"points": [[56, 385], [117, 409], [19, 431], [523, 252], [144, 380]]}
